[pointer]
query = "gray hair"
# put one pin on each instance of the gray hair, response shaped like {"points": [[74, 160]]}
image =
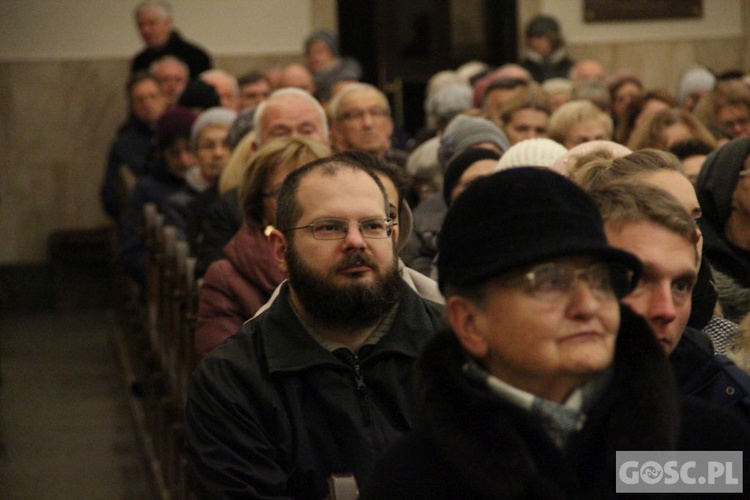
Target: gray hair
{"points": [[333, 106], [169, 58], [283, 94], [160, 6]]}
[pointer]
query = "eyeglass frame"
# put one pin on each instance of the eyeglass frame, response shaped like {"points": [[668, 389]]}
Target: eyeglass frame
{"points": [[526, 280], [390, 224]]}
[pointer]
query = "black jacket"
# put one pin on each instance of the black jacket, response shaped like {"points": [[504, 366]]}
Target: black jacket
{"points": [[271, 413], [195, 57], [470, 443]]}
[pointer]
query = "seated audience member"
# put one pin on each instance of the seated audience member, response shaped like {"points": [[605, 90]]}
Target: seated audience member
{"points": [[226, 87], [727, 107], [254, 89], [288, 112], [507, 72], [156, 28], [236, 286], [641, 106], [319, 382], [208, 141], [462, 133], [545, 55], [559, 91], [667, 127], [361, 119], [587, 69], [694, 84], [650, 223], [441, 105], [577, 157], [692, 154], [327, 65], [497, 94], [536, 152], [297, 76], [525, 115], [173, 75], [595, 92], [134, 143], [576, 122], [543, 375], [722, 189], [174, 157], [623, 88], [662, 170]]}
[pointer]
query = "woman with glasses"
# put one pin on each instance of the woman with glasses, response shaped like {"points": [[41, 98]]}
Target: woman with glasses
{"points": [[543, 375]]}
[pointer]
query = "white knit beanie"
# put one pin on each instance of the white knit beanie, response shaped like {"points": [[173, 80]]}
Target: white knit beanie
{"points": [[536, 152]]}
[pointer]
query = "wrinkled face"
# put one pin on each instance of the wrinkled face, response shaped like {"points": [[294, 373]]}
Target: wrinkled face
{"points": [[252, 94], [622, 98], [535, 344], [173, 78], [364, 122], [319, 56], [212, 151], [178, 157], [585, 131], [292, 117], [346, 268], [735, 119], [476, 170], [148, 101], [154, 30], [526, 124], [670, 270], [226, 88]]}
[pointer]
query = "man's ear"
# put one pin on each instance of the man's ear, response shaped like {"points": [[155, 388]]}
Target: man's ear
{"points": [[279, 244], [468, 323]]}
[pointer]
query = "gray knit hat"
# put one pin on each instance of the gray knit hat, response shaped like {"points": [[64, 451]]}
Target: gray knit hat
{"points": [[211, 116], [718, 179], [464, 132], [693, 80]]}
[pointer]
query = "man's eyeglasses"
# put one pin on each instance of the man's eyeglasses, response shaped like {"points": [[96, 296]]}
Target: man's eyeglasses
{"points": [[554, 281], [358, 114], [337, 229]]}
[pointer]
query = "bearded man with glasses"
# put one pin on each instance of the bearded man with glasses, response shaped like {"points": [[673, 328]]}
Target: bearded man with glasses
{"points": [[543, 375], [317, 383]]}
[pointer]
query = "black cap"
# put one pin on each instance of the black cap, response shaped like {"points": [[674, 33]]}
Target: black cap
{"points": [[518, 217]]}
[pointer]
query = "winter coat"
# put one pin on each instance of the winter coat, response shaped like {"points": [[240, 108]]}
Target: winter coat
{"points": [[469, 442], [195, 57], [271, 413], [234, 288]]}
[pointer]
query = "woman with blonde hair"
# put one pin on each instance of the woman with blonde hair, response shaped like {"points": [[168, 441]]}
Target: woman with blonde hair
{"points": [[236, 286], [667, 127]]}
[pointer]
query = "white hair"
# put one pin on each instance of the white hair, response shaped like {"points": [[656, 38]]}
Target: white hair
{"points": [[333, 106], [282, 94], [160, 6]]}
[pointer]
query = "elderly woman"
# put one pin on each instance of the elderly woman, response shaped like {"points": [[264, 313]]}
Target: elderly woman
{"points": [[724, 193], [235, 287]]}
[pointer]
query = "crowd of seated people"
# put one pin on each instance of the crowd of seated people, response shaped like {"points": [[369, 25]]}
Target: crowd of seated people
{"points": [[252, 169]]}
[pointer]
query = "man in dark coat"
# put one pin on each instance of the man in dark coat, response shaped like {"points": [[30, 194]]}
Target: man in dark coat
{"points": [[154, 20], [651, 224], [543, 375], [317, 383]]}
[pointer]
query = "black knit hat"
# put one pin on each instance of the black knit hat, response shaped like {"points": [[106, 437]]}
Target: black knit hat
{"points": [[543, 25], [517, 217], [717, 181], [458, 165]]}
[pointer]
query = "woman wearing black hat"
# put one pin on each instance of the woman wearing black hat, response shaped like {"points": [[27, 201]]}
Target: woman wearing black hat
{"points": [[545, 55]]}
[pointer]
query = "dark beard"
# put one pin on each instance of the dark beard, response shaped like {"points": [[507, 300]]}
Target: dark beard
{"points": [[356, 305]]}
